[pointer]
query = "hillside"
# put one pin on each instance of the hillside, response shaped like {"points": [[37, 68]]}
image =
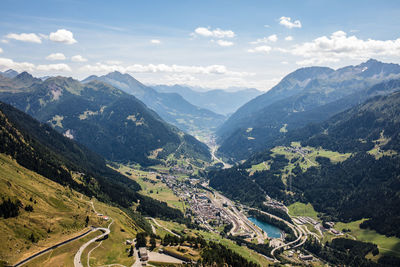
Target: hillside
{"points": [[172, 107], [304, 96], [105, 119], [347, 167], [57, 213], [217, 100], [41, 149]]}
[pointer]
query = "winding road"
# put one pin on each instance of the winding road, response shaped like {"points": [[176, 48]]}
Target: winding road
{"points": [[159, 225], [78, 255]]}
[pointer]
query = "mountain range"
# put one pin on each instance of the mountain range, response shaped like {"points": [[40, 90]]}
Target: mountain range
{"points": [[172, 107], [107, 120], [304, 96], [347, 167], [217, 100]]}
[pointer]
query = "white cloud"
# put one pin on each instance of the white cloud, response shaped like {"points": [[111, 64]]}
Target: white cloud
{"points": [[284, 62], [56, 56], [78, 58], [316, 61], [272, 38], [113, 62], [287, 22], [25, 37], [4, 41], [163, 68], [53, 67], [155, 41], [289, 38], [340, 46], [224, 43], [217, 33], [260, 49], [62, 36], [7, 63], [1, 50]]}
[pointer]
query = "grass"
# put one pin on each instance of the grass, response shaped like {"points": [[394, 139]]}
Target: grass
{"points": [[301, 209], [58, 212], [305, 160], [153, 187], [163, 264], [61, 256], [377, 151], [114, 250], [386, 245], [283, 129]]}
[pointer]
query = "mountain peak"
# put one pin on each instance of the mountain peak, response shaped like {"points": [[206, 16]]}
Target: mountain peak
{"points": [[26, 78], [9, 73], [118, 75], [371, 62]]}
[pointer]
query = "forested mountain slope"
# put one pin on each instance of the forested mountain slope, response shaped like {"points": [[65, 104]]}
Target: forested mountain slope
{"points": [[306, 95], [105, 119]]}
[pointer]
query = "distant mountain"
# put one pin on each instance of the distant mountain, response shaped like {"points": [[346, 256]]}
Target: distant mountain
{"points": [[172, 107], [304, 96], [105, 119], [364, 184], [220, 101], [19, 83], [9, 73]]}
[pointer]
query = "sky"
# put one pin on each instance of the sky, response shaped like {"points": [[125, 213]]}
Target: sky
{"points": [[210, 44]]}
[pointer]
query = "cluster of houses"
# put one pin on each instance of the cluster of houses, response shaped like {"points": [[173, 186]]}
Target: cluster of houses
{"points": [[200, 206], [297, 149], [205, 211]]}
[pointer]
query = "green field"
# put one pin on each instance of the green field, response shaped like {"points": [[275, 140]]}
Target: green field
{"points": [[386, 245], [153, 187], [301, 209], [306, 159]]}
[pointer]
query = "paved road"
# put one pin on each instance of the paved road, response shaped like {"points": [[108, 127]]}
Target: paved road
{"points": [[299, 232], [137, 262], [51, 248], [213, 150], [78, 255], [166, 229]]}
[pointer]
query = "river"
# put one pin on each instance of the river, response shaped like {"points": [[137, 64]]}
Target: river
{"points": [[272, 231]]}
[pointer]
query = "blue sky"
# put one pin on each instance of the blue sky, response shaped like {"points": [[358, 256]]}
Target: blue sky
{"points": [[214, 44]]}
